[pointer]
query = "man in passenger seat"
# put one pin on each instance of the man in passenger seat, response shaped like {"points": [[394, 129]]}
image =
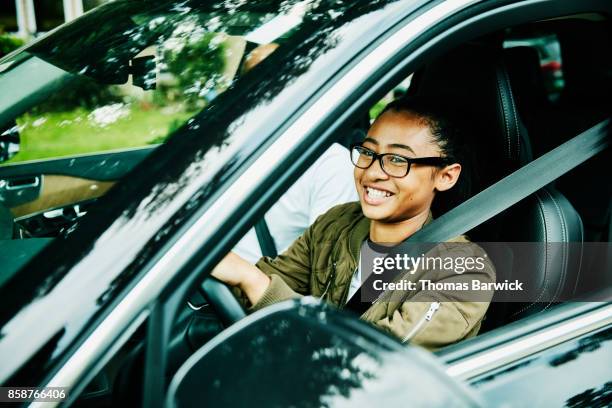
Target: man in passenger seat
{"points": [[328, 182], [410, 156]]}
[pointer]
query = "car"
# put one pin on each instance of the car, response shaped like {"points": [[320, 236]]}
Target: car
{"points": [[141, 151]]}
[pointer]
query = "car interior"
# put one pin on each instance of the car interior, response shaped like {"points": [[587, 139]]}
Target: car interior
{"points": [[522, 108]]}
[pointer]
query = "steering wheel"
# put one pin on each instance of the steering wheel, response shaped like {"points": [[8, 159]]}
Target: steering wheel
{"points": [[223, 301]]}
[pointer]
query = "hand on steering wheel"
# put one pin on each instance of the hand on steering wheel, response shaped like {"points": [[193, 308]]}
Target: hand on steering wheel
{"points": [[223, 301]]}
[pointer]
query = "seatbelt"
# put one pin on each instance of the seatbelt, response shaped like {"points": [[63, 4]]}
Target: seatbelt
{"points": [[266, 243], [500, 196]]}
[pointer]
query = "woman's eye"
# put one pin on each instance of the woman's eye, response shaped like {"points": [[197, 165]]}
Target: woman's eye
{"points": [[397, 160], [367, 153]]}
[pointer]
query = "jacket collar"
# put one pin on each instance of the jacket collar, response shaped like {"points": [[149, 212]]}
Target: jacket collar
{"points": [[361, 231]]}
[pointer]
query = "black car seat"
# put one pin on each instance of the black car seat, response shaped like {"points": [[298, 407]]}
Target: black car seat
{"points": [[529, 90], [585, 101], [474, 79], [549, 126]]}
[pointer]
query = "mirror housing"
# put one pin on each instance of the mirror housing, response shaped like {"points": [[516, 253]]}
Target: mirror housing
{"points": [[143, 70]]}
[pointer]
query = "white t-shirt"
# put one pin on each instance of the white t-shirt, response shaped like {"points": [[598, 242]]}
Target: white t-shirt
{"points": [[328, 182]]}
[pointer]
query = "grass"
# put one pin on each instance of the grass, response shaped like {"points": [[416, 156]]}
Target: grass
{"points": [[71, 133], [60, 134]]}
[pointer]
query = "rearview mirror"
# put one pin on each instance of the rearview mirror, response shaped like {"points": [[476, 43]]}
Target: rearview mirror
{"points": [[9, 143], [143, 72]]}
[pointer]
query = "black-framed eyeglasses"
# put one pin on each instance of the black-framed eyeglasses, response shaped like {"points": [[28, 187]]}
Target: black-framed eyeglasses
{"points": [[394, 165]]}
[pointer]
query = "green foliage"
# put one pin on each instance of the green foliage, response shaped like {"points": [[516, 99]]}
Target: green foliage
{"points": [[58, 134], [198, 68], [377, 109], [9, 43], [82, 92]]}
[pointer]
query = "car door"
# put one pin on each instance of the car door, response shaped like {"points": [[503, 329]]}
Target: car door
{"points": [[556, 358], [45, 197]]}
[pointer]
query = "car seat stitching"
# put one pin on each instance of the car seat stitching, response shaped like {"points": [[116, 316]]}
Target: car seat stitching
{"points": [[514, 112], [546, 244], [565, 234], [542, 216], [578, 277], [501, 98]]}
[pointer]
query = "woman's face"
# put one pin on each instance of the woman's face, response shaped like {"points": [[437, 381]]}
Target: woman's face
{"points": [[390, 199]]}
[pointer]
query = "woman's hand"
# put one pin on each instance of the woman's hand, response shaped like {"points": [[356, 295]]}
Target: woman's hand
{"points": [[235, 271]]}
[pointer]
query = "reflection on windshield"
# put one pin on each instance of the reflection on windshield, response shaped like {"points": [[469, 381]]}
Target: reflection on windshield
{"points": [[143, 76], [219, 155]]}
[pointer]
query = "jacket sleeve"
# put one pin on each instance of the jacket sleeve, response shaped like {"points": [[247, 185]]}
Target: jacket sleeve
{"points": [[457, 314], [289, 273]]}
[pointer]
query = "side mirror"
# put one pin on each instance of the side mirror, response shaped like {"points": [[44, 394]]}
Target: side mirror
{"points": [[9, 143]]}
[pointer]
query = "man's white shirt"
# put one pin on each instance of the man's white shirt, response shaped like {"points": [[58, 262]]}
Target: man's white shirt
{"points": [[327, 183]]}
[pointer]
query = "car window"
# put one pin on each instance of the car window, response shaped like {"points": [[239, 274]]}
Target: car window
{"points": [[145, 76], [548, 50], [398, 91], [8, 20]]}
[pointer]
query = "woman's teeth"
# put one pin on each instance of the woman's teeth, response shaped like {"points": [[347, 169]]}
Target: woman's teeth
{"points": [[374, 193]]}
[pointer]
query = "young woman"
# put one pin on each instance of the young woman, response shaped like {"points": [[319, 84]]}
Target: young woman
{"points": [[411, 156]]}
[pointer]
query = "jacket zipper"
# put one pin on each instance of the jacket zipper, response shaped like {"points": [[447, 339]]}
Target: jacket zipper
{"points": [[329, 281], [433, 307]]}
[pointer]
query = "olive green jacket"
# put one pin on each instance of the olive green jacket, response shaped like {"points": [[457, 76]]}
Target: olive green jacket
{"points": [[322, 262]]}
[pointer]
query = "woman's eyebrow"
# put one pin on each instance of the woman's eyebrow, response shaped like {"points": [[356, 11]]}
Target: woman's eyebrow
{"points": [[395, 145], [402, 146]]}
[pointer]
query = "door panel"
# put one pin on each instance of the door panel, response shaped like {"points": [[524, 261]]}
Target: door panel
{"points": [[96, 166], [46, 196], [59, 191]]}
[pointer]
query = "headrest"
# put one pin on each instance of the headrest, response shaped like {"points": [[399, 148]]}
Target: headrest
{"points": [[523, 65], [473, 78]]}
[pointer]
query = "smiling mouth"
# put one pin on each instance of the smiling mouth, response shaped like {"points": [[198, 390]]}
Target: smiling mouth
{"points": [[375, 196]]}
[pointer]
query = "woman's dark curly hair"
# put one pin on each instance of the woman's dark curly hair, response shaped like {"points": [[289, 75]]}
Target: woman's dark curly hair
{"points": [[446, 127]]}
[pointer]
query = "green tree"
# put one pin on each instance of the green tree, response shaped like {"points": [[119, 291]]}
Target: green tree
{"points": [[9, 43], [198, 68]]}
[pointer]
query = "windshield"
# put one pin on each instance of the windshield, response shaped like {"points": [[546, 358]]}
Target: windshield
{"points": [[132, 72]]}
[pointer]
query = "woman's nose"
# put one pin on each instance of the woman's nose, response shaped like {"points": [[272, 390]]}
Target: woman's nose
{"points": [[375, 171]]}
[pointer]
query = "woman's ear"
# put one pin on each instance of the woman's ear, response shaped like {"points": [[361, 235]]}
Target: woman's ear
{"points": [[447, 177]]}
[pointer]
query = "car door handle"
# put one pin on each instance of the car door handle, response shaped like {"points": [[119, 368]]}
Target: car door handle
{"points": [[22, 183]]}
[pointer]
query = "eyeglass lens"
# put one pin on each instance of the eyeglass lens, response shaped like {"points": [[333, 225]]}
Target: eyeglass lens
{"points": [[393, 165]]}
